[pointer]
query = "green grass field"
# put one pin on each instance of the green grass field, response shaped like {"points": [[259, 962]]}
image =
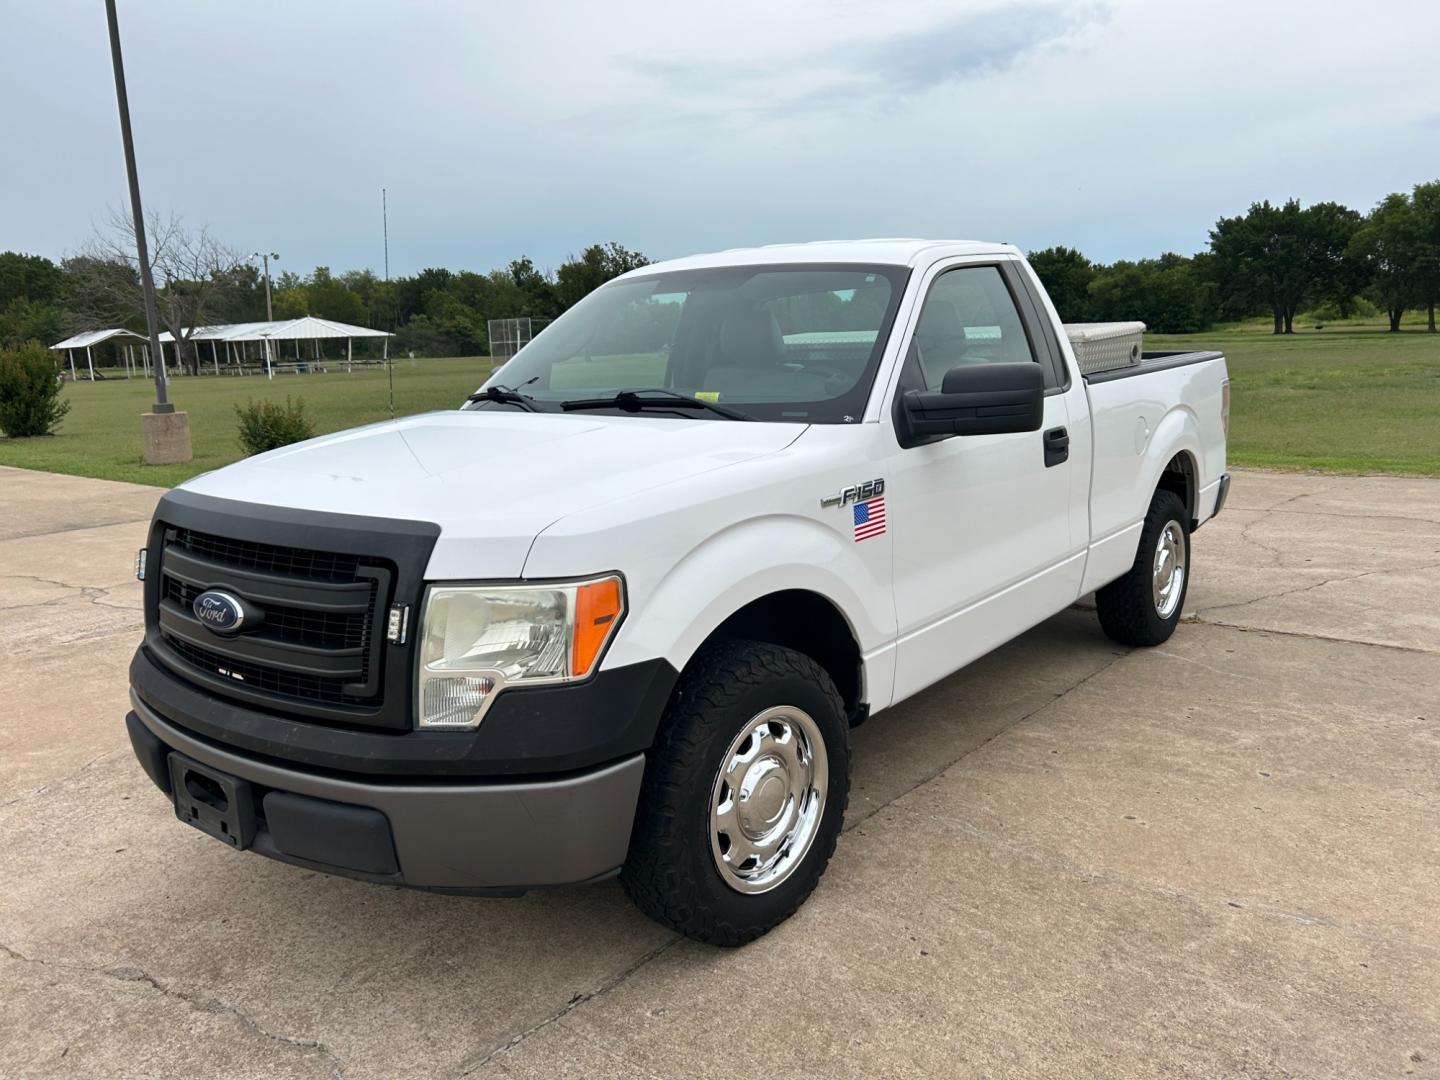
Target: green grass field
{"points": [[1345, 399], [101, 434]]}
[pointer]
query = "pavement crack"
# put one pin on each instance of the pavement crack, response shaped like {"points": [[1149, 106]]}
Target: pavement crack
{"points": [[79, 528], [473, 1064], [94, 594], [1201, 664], [1313, 637], [1276, 555], [1361, 517], [197, 1002], [1296, 590]]}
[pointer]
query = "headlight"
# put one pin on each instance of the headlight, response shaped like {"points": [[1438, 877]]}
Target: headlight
{"points": [[478, 639]]}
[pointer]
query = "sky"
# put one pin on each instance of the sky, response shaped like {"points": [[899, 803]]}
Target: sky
{"points": [[1122, 127]]}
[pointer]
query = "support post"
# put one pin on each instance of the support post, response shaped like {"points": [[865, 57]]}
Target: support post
{"points": [[215, 356], [90, 363], [349, 354], [165, 432], [71, 353]]}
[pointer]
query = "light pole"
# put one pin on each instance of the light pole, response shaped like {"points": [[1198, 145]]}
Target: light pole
{"points": [[166, 432], [266, 257]]}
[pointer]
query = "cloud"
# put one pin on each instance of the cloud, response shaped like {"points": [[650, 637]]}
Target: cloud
{"points": [[965, 46], [881, 66], [1123, 127]]}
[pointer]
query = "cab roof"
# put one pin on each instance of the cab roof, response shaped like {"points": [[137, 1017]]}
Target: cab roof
{"points": [[889, 252]]}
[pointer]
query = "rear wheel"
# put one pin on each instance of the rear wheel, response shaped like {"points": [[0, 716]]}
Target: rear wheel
{"points": [[744, 794], [1144, 606]]}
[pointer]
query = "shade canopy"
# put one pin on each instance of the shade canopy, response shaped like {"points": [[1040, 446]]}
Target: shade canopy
{"points": [[95, 337], [306, 328]]}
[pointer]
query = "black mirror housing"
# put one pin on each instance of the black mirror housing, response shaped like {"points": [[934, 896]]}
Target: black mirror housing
{"points": [[978, 399]]}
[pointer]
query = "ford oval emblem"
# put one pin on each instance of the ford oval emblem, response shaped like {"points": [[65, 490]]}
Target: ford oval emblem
{"points": [[219, 611]]}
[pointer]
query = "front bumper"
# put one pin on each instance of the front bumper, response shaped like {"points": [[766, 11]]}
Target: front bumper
{"points": [[460, 836]]}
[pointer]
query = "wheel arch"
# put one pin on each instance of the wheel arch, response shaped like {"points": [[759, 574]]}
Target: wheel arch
{"points": [[1173, 461], [809, 623], [785, 580], [1179, 476]]}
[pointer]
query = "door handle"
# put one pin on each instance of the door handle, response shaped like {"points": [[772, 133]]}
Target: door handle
{"points": [[1057, 446]]}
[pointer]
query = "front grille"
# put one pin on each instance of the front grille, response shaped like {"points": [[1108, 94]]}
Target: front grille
{"points": [[288, 684], [292, 624], [309, 639], [268, 558]]}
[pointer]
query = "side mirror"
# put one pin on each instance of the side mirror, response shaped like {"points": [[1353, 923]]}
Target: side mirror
{"points": [[977, 399]]}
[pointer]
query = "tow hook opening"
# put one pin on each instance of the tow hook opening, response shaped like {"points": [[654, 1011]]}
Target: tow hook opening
{"points": [[203, 789]]}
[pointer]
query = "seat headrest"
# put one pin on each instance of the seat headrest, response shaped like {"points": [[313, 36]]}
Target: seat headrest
{"points": [[940, 319], [751, 337]]}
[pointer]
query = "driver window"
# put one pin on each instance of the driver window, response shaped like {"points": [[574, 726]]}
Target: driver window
{"points": [[969, 317]]}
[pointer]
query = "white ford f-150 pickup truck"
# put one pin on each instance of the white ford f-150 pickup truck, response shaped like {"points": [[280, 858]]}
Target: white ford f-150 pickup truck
{"points": [[619, 611]]}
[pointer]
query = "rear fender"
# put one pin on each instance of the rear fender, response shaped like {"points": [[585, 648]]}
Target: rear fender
{"points": [[1113, 552]]}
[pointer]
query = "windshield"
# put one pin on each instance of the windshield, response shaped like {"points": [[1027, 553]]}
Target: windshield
{"points": [[790, 343]]}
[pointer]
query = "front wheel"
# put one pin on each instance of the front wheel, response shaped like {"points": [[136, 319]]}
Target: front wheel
{"points": [[744, 794], [1144, 606]]}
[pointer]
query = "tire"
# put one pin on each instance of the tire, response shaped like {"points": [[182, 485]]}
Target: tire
{"points": [[1131, 612], [677, 870]]}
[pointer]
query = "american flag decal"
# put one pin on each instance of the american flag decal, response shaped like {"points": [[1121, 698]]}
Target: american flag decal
{"points": [[869, 518]]}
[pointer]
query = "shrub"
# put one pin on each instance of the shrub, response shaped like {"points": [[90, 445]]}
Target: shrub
{"points": [[29, 391], [265, 425]]}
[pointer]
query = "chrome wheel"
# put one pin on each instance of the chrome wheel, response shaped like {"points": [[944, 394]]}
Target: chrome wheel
{"points": [[767, 799], [1167, 581]]}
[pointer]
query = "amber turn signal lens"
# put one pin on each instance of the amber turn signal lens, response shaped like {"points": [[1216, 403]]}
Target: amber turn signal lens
{"points": [[597, 609]]}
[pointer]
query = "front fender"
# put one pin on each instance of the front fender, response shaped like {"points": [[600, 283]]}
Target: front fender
{"points": [[751, 560], [680, 590]]}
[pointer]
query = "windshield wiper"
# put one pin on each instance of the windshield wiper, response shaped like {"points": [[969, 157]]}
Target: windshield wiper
{"points": [[506, 396], [631, 401]]}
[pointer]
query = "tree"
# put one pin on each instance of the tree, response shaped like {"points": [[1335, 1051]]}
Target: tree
{"points": [[29, 277], [596, 265], [192, 271], [31, 292], [241, 297], [1066, 275], [1168, 294], [1334, 274], [1386, 246], [1425, 203], [330, 298], [537, 289], [1262, 255], [27, 320]]}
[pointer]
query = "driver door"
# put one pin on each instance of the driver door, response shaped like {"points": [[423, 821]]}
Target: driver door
{"points": [[982, 524]]}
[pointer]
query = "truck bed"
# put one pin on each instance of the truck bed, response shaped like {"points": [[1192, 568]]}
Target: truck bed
{"points": [[1154, 361], [1140, 421]]}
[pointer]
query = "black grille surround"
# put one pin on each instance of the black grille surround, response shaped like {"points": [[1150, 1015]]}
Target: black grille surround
{"points": [[317, 589]]}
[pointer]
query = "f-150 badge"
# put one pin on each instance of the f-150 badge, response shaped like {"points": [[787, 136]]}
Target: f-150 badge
{"points": [[857, 493]]}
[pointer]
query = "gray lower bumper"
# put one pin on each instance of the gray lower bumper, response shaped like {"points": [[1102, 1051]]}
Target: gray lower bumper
{"points": [[463, 836]]}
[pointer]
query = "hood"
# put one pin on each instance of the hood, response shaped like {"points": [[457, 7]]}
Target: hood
{"points": [[491, 480]]}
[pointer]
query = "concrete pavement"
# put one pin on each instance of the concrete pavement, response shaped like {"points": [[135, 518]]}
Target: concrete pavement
{"points": [[1215, 858]]}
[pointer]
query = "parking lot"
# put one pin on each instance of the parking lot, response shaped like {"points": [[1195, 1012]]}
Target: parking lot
{"points": [[1216, 858]]}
